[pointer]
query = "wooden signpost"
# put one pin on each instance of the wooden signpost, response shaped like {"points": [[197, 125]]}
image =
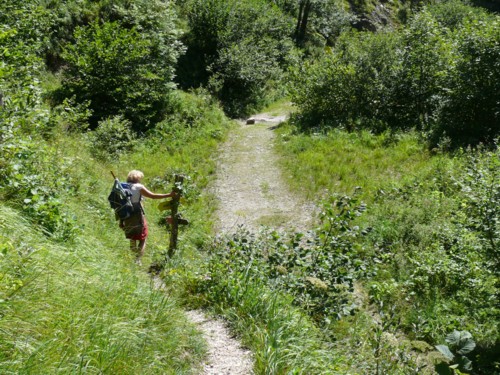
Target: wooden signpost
{"points": [[175, 219]]}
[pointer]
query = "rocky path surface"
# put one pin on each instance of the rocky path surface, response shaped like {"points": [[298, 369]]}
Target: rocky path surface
{"points": [[251, 193]]}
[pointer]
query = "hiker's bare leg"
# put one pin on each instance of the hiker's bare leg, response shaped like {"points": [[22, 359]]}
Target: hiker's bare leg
{"points": [[142, 246]]}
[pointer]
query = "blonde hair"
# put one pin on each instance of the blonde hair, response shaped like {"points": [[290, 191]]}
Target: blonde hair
{"points": [[135, 176]]}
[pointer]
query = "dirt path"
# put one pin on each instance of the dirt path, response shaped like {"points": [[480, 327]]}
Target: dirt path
{"points": [[226, 356], [250, 187], [251, 193]]}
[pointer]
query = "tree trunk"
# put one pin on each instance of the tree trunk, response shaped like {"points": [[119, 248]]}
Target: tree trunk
{"points": [[305, 7], [305, 19], [299, 20]]}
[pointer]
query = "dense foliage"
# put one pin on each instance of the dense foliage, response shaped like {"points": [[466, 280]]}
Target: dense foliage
{"points": [[317, 22], [317, 269], [439, 75], [238, 49], [122, 63]]}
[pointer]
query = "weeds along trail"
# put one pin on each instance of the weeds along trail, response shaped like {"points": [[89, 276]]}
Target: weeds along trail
{"points": [[249, 184]]}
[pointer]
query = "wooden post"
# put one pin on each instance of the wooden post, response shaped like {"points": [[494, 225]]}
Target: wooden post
{"points": [[179, 179]]}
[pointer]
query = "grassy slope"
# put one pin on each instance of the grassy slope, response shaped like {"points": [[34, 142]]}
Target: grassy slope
{"points": [[340, 162], [84, 305], [85, 308]]}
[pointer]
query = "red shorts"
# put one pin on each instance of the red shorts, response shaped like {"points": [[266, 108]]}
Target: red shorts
{"points": [[136, 228]]}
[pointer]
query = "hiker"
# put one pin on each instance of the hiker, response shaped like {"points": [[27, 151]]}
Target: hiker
{"points": [[135, 227]]}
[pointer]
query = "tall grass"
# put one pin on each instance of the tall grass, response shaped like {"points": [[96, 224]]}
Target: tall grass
{"points": [[283, 339], [83, 305]]}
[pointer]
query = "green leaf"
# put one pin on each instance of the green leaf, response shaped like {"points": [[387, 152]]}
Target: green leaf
{"points": [[453, 338], [465, 364], [467, 347], [444, 350]]}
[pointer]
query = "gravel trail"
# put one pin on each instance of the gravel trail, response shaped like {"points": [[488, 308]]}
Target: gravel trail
{"points": [[251, 193], [226, 356], [250, 186]]}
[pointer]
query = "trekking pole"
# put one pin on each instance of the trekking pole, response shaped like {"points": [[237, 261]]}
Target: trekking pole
{"points": [[112, 174]]}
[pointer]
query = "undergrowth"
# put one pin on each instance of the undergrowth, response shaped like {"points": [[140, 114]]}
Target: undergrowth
{"points": [[432, 251], [393, 269], [84, 307]]}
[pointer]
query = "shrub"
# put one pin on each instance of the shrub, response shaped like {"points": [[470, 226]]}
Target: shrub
{"points": [[352, 87], [480, 193], [317, 269], [112, 137], [21, 103], [439, 75], [120, 72], [424, 62], [35, 183], [190, 115], [324, 94], [27, 169], [239, 49], [29, 20], [471, 110], [452, 14], [71, 116], [243, 75]]}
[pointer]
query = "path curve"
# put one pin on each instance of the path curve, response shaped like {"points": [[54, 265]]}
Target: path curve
{"points": [[226, 356]]}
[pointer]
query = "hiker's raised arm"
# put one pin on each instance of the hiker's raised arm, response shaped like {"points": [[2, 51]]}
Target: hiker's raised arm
{"points": [[148, 194]]}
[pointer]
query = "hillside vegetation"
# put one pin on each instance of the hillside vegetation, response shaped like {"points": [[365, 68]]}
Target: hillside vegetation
{"points": [[394, 133]]}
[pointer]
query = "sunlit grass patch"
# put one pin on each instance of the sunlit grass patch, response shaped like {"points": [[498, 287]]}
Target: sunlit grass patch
{"points": [[340, 161], [280, 107], [276, 220]]}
